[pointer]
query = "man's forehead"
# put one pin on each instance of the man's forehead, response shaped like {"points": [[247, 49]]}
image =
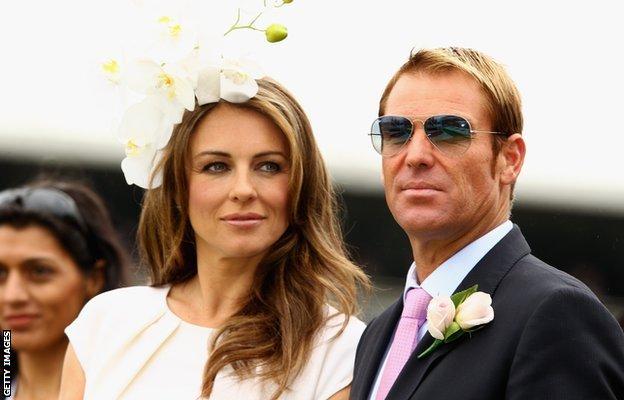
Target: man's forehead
{"points": [[424, 94]]}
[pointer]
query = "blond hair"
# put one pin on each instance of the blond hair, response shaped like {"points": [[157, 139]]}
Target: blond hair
{"points": [[503, 99], [305, 269]]}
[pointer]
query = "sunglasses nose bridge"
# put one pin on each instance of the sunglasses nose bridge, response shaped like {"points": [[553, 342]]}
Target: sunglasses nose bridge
{"points": [[418, 132]]}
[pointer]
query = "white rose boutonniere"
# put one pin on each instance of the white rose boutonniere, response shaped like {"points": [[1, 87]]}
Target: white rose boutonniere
{"points": [[449, 318]]}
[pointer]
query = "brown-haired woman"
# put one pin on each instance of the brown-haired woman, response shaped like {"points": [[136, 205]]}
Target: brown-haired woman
{"points": [[58, 249], [246, 253]]}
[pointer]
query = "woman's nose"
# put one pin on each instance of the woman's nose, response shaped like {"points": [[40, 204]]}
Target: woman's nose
{"points": [[14, 289], [243, 188]]}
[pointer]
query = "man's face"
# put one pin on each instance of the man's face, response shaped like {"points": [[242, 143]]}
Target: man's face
{"points": [[430, 194]]}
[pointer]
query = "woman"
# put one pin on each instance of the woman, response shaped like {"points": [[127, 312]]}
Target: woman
{"points": [[57, 250], [245, 251]]}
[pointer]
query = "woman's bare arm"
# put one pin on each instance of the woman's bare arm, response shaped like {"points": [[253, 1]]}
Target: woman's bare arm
{"points": [[342, 395], [73, 378]]}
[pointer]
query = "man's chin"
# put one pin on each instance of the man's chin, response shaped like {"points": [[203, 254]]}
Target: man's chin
{"points": [[424, 225]]}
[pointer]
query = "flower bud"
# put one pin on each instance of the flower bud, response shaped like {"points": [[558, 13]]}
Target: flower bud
{"points": [[440, 314], [475, 310], [287, 1], [276, 32]]}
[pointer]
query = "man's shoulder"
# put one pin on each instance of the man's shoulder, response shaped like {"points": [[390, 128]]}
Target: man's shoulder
{"points": [[531, 284], [538, 277]]}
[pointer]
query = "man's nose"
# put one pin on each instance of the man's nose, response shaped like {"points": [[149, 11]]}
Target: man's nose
{"points": [[243, 188], [419, 151], [14, 289]]}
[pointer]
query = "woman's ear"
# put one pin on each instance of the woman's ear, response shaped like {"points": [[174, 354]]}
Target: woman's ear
{"points": [[95, 279]]}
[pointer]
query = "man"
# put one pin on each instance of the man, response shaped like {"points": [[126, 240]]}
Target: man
{"points": [[449, 134]]}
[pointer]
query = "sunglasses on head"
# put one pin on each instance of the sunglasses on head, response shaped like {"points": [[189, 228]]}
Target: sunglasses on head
{"points": [[451, 134], [44, 200]]}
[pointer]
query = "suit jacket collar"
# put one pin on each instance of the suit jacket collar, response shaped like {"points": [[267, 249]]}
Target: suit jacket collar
{"points": [[488, 273]]}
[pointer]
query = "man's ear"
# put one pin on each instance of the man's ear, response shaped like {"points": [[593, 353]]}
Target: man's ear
{"points": [[95, 279], [512, 157]]}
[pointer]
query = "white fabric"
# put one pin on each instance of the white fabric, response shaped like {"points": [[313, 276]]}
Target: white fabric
{"points": [[132, 346], [445, 279]]}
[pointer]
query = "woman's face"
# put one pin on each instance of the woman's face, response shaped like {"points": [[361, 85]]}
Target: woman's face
{"points": [[42, 289], [238, 183]]}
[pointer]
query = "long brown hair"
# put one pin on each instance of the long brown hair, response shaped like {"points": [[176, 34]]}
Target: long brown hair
{"points": [[304, 270]]}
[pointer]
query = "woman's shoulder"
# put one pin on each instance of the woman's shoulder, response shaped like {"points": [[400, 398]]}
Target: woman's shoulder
{"points": [[339, 325], [329, 367], [124, 307], [130, 297]]}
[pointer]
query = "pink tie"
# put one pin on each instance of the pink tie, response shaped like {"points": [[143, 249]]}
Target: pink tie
{"points": [[405, 338]]}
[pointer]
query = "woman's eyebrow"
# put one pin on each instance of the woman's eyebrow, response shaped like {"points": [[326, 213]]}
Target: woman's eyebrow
{"points": [[270, 153], [228, 155], [213, 153]]}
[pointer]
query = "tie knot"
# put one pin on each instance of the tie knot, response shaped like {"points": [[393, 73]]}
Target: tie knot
{"points": [[416, 302]]}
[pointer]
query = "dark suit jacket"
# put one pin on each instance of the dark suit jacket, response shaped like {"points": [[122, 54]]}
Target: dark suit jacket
{"points": [[551, 338]]}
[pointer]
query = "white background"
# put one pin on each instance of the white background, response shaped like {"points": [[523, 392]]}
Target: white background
{"points": [[566, 58]]}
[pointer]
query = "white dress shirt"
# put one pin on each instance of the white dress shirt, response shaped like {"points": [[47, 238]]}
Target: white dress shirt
{"points": [[445, 279]]}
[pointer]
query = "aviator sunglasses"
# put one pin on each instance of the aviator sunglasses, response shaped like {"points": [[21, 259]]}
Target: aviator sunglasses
{"points": [[451, 134]]}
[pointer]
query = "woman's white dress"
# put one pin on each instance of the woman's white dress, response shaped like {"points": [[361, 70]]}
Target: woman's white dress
{"points": [[132, 346]]}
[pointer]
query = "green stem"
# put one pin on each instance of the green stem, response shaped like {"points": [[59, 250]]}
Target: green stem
{"points": [[253, 21], [235, 26]]}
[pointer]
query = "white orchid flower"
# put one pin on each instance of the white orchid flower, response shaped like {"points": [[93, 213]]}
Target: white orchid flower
{"points": [[172, 85], [138, 170], [144, 131], [231, 80], [112, 71]]}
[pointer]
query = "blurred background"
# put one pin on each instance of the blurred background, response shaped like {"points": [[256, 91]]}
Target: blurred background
{"points": [[57, 112]]}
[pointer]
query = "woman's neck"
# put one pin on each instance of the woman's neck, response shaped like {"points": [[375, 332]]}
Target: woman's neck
{"points": [[39, 375], [217, 292]]}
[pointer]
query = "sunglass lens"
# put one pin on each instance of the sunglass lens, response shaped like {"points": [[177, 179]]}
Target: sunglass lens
{"points": [[391, 132], [450, 133]]}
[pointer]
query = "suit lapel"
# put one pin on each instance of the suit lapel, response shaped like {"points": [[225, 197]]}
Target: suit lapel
{"points": [[377, 344], [488, 273]]}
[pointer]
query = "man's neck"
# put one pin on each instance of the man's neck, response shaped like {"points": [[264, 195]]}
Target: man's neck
{"points": [[429, 253]]}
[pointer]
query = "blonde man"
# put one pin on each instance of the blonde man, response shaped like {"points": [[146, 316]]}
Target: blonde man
{"points": [[449, 133]]}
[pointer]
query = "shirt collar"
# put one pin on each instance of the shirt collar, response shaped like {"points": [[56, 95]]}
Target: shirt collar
{"points": [[446, 278]]}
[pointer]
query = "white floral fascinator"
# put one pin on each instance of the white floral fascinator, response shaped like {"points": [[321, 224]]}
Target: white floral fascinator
{"points": [[166, 87]]}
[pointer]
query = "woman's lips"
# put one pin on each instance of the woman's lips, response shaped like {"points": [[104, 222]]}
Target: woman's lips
{"points": [[243, 220], [244, 223], [19, 321]]}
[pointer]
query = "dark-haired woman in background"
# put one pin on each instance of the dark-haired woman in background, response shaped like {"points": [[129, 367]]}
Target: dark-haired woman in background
{"points": [[58, 249]]}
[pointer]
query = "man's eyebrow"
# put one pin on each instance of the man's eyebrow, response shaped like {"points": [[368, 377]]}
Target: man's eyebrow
{"points": [[228, 155]]}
